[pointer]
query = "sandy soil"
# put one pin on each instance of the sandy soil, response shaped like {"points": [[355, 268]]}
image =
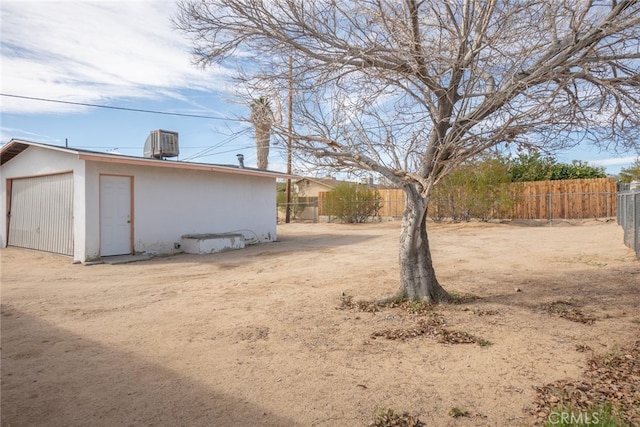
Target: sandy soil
{"points": [[256, 337]]}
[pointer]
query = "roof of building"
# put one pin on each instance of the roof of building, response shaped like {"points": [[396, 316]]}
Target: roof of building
{"points": [[327, 182], [17, 146], [333, 182]]}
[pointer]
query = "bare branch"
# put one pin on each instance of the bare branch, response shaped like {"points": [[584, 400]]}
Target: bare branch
{"points": [[418, 87]]}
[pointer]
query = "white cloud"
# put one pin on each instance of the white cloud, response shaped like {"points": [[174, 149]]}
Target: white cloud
{"points": [[94, 52], [7, 133], [615, 161]]}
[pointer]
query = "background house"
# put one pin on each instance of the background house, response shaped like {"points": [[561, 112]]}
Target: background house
{"points": [[88, 204], [310, 187], [305, 197]]}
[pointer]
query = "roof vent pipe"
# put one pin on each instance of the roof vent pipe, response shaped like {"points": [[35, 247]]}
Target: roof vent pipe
{"points": [[240, 160]]}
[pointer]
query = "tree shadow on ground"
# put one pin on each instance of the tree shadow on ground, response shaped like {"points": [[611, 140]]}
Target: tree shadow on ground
{"points": [[596, 288], [53, 377]]}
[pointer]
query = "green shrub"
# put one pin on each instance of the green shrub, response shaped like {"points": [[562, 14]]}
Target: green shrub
{"points": [[536, 167], [352, 203], [479, 189]]}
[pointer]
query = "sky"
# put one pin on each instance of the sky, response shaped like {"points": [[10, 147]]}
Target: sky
{"points": [[127, 54], [121, 54]]}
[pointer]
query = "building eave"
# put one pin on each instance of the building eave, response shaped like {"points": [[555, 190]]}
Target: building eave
{"points": [[15, 147], [181, 165]]}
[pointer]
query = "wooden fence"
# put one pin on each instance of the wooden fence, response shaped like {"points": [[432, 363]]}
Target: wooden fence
{"points": [[562, 199], [565, 199], [391, 202]]}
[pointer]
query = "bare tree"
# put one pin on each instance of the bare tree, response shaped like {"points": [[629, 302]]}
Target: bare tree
{"points": [[262, 119], [412, 89]]}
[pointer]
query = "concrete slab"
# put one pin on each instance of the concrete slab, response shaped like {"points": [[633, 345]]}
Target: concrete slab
{"points": [[211, 243], [124, 259]]}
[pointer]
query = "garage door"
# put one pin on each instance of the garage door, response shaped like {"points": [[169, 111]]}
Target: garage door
{"points": [[41, 213]]}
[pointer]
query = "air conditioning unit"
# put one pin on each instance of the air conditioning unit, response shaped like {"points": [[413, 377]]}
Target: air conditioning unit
{"points": [[161, 143]]}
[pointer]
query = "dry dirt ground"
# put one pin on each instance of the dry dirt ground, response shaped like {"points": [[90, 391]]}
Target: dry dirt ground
{"points": [[256, 337]]}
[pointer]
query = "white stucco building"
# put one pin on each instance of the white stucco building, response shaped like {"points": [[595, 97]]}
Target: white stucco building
{"points": [[90, 205]]}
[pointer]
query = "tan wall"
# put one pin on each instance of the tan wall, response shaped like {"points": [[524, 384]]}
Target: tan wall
{"points": [[311, 189]]}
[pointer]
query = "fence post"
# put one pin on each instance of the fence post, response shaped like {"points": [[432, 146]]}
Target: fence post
{"points": [[315, 211], [620, 207], [550, 209]]}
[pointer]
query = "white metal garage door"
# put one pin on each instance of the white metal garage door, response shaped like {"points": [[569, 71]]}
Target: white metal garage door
{"points": [[41, 213]]}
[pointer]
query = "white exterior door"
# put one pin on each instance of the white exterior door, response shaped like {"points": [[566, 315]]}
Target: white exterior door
{"points": [[41, 213], [115, 215]]}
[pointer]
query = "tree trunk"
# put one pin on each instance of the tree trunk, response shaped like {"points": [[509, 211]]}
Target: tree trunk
{"points": [[417, 276], [263, 136], [262, 119]]}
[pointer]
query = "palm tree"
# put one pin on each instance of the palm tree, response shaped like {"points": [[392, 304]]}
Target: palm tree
{"points": [[262, 118]]}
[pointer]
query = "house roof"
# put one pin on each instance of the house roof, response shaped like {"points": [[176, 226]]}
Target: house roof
{"points": [[332, 183], [16, 146], [326, 182]]}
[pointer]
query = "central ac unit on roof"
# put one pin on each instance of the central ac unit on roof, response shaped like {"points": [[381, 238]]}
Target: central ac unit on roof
{"points": [[161, 143]]}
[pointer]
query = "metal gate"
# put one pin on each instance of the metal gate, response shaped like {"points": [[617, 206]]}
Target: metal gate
{"points": [[41, 213], [629, 218]]}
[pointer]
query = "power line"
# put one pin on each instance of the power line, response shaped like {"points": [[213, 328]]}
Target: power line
{"points": [[138, 110], [210, 150]]}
